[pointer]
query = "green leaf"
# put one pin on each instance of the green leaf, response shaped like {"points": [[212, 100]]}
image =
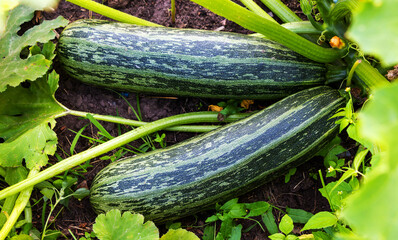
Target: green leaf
{"points": [[113, 225], [269, 221], [291, 237], [374, 28], [237, 211], [371, 211], [299, 215], [226, 227], [26, 123], [291, 172], [209, 233], [15, 174], [212, 218], [236, 232], [277, 236], [336, 194], [179, 234], [319, 235], [256, 208], [47, 192], [22, 237], [320, 220], [13, 68], [286, 225], [228, 205]]}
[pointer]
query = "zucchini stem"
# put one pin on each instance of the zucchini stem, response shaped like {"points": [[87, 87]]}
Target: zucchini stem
{"points": [[250, 4], [112, 13], [281, 10], [116, 142], [370, 76], [271, 30], [20, 204], [137, 123]]}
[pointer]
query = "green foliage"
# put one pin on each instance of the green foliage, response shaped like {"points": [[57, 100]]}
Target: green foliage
{"points": [[179, 234], [374, 28], [320, 220], [289, 174], [114, 225], [227, 214], [369, 211], [286, 227], [230, 107], [26, 114], [14, 69], [299, 215]]}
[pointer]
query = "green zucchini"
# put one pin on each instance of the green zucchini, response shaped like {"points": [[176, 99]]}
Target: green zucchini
{"points": [[183, 62], [185, 178]]}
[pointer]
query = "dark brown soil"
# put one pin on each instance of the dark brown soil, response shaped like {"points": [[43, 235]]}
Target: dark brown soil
{"points": [[301, 192]]}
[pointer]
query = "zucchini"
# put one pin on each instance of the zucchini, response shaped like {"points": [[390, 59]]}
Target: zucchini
{"points": [[185, 178], [183, 62]]}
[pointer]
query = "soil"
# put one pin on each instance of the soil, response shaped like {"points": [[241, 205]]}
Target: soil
{"points": [[300, 192]]}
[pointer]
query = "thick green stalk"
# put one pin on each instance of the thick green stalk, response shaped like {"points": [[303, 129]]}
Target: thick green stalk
{"points": [[370, 76], [250, 4], [116, 142], [8, 205], [342, 8], [136, 123], [271, 30], [302, 27], [281, 10], [112, 13], [20, 204], [2, 172]]}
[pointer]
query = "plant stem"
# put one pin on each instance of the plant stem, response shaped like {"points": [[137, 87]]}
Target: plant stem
{"points": [[352, 71], [250, 4], [20, 205], [173, 11], [112, 13], [370, 76], [303, 27], [116, 142], [136, 123], [281, 10], [7, 207], [271, 30]]}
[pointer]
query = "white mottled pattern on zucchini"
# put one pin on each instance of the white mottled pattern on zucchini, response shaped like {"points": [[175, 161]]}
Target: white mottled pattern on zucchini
{"points": [[183, 62], [182, 179]]}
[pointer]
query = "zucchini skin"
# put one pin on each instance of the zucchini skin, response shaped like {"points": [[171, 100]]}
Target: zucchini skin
{"points": [[183, 62], [185, 178]]}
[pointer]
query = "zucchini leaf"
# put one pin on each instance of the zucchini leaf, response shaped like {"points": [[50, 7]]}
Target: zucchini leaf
{"points": [[369, 210], [180, 233], [374, 28], [26, 122], [114, 225], [13, 68]]}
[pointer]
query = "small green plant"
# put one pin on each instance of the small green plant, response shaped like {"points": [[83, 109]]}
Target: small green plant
{"points": [[114, 225], [228, 213]]}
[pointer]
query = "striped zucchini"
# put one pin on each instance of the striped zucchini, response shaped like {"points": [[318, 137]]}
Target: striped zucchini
{"points": [[183, 62], [232, 160]]}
